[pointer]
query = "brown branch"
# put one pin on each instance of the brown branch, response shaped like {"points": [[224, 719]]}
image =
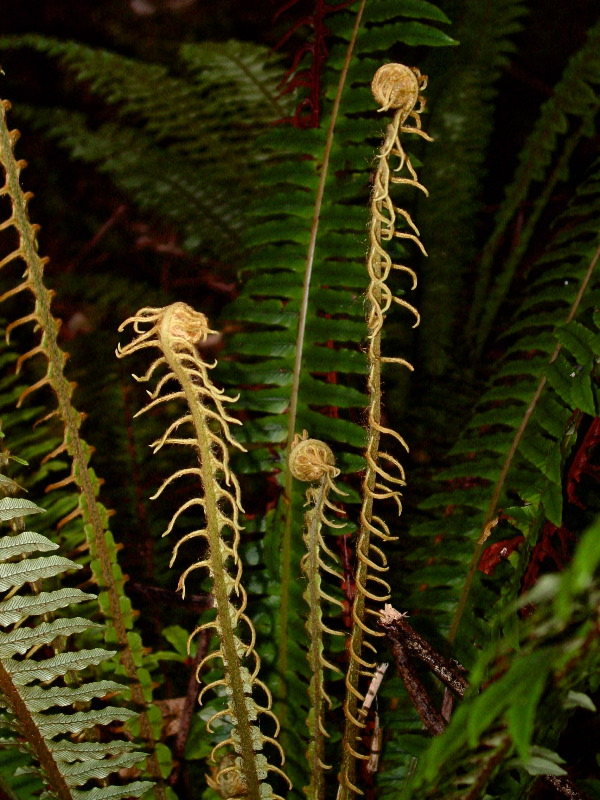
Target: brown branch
{"points": [[430, 716], [566, 787], [398, 629]]}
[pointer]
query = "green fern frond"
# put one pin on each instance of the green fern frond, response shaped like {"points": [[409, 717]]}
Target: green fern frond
{"points": [[65, 765], [460, 107], [567, 116], [168, 150], [518, 441]]}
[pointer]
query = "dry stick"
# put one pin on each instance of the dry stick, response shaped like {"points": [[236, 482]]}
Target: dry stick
{"points": [[430, 716], [566, 787], [373, 688], [375, 751], [462, 601], [403, 640], [398, 629]]}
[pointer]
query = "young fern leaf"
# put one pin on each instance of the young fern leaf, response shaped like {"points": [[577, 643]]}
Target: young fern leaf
{"points": [[312, 460], [64, 765], [174, 330], [112, 599], [394, 86]]}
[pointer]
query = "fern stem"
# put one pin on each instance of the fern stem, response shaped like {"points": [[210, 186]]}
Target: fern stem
{"points": [[312, 460], [314, 628], [220, 589], [102, 548], [491, 511]]}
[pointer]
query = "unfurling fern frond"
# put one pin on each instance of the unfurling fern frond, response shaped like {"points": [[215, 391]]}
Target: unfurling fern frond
{"points": [[398, 87], [112, 599], [65, 747], [312, 460], [174, 330]]}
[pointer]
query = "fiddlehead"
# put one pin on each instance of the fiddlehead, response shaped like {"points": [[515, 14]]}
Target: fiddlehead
{"points": [[312, 460], [398, 87], [174, 330]]}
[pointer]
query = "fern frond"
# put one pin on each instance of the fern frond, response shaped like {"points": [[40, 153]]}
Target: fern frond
{"points": [[112, 599], [514, 452], [571, 110], [168, 148], [460, 107], [398, 87], [65, 771], [174, 331]]}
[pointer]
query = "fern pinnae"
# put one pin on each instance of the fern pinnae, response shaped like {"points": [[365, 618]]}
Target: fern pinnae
{"points": [[312, 460], [574, 96], [394, 86], [491, 511], [175, 330], [64, 765]]}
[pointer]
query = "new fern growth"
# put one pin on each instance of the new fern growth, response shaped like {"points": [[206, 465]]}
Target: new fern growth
{"points": [[398, 87], [175, 330], [113, 600], [312, 460]]}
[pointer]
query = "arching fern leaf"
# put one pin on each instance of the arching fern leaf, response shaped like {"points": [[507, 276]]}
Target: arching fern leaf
{"points": [[170, 149], [32, 687]]}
